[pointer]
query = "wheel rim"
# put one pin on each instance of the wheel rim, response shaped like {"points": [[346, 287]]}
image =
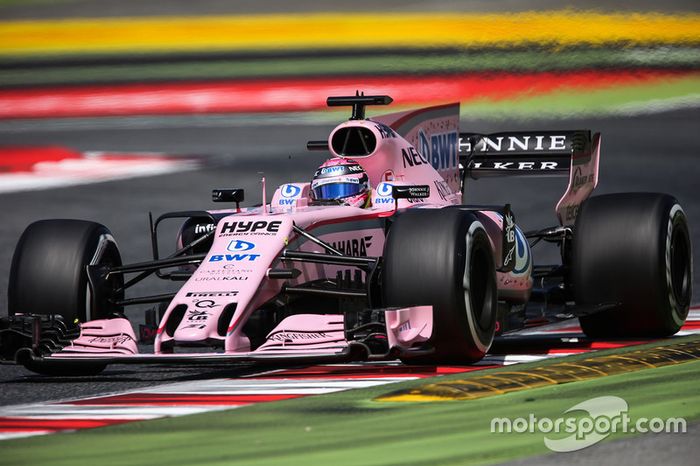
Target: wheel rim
{"points": [[680, 267], [106, 253], [479, 288], [479, 283]]}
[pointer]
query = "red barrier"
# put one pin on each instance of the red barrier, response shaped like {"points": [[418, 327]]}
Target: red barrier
{"points": [[287, 95], [23, 159]]}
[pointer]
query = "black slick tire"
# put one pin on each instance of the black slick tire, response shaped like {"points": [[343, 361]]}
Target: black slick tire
{"points": [[633, 249], [48, 273], [443, 258]]}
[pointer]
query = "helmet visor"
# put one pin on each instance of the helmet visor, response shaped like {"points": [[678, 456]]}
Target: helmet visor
{"points": [[337, 190]]}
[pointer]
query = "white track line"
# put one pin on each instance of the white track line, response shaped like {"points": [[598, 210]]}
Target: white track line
{"points": [[70, 411], [191, 397], [92, 169]]}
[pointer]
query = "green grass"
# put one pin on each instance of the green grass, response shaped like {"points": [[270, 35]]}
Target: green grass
{"points": [[349, 428], [31, 2], [429, 63], [575, 103], [622, 100]]}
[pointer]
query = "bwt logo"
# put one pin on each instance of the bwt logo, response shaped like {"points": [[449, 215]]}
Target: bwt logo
{"points": [[290, 194], [384, 189], [384, 194], [337, 169], [290, 191], [440, 150], [233, 257], [239, 245]]}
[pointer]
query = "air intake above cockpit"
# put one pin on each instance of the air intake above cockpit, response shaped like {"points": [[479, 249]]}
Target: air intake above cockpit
{"points": [[353, 141]]}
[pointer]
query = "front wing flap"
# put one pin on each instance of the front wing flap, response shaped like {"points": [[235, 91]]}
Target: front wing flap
{"points": [[45, 344]]}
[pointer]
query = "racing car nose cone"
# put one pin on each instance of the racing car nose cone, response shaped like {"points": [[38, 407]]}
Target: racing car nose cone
{"points": [[199, 329]]}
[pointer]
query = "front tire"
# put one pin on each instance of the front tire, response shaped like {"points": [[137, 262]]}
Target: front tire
{"points": [[443, 258], [633, 249], [48, 273]]}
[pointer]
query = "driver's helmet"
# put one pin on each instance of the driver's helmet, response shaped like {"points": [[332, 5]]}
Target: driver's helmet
{"points": [[341, 181]]}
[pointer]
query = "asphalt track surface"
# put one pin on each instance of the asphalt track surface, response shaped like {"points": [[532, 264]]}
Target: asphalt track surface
{"points": [[656, 152], [667, 449]]}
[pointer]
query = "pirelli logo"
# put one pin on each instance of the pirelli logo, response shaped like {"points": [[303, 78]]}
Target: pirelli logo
{"points": [[211, 294]]}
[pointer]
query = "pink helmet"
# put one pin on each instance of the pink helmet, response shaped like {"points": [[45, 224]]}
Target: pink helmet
{"points": [[342, 180]]}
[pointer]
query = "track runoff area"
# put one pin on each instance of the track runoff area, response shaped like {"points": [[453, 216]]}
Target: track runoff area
{"points": [[527, 63], [560, 342], [34, 168]]}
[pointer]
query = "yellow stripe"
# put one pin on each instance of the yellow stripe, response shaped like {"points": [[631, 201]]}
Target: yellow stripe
{"points": [[319, 31], [552, 374]]}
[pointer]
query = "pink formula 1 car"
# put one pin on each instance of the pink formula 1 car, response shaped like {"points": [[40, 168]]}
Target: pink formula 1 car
{"points": [[377, 258]]}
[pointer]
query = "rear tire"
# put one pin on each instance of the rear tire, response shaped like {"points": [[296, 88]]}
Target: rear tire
{"points": [[443, 258], [634, 249], [48, 273]]}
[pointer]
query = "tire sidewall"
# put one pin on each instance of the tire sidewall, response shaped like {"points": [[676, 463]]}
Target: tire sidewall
{"points": [[477, 244], [623, 254], [430, 256], [101, 249], [48, 273], [678, 307]]}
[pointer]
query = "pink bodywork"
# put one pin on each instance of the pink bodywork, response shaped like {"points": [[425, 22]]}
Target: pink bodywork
{"points": [[106, 337], [307, 332], [583, 178], [247, 256], [247, 245]]}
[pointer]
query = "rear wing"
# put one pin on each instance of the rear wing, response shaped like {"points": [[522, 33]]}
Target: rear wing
{"points": [[434, 132], [544, 153]]}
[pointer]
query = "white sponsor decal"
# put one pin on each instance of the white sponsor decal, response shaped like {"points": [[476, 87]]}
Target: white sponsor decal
{"points": [[586, 424]]}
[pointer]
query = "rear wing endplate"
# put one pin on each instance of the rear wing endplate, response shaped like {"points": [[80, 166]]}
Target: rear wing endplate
{"points": [[544, 153]]}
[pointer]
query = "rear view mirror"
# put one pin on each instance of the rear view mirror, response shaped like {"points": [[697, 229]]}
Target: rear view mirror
{"points": [[228, 195]]}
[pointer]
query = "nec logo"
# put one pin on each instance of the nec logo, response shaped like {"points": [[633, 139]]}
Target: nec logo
{"points": [[251, 227], [239, 245], [412, 157]]}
